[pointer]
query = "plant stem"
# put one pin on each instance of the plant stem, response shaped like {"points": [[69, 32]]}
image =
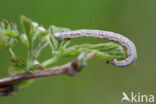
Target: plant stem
{"points": [[49, 61], [11, 52], [30, 58], [7, 84]]}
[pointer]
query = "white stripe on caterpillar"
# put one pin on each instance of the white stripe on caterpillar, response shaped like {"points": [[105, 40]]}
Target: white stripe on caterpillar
{"points": [[131, 49]]}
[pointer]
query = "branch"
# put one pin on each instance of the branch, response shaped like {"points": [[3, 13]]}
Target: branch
{"points": [[6, 84]]}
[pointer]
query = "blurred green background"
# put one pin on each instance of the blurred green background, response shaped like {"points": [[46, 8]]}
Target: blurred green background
{"points": [[98, 83]]}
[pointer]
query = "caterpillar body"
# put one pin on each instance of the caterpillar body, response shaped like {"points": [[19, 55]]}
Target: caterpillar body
{"points": [[124, 41]]}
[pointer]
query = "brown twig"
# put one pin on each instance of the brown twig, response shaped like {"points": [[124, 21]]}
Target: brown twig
{"points": [[6, 84]]}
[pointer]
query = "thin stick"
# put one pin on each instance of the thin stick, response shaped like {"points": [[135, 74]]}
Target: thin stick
{"points": [[131, 49], [6, 84]]}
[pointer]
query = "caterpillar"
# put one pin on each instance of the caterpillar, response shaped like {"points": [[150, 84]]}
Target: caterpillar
{"points": [[124, 41]]}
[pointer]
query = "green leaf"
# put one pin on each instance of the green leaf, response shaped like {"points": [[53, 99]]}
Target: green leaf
{"points": [[35, 37], [18, 66], [8, 34], [56, 43], [40, 40], [108, 51], [23, 38], [27, 26]]}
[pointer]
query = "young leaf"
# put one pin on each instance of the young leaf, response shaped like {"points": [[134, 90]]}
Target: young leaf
{"points": [[18, 66], [54, 42], [40, 40], [108, 51], [27, 26], [8, 34], [35, 37]]}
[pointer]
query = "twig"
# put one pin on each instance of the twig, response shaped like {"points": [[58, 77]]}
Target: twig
{"points": [[6, 84]]}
